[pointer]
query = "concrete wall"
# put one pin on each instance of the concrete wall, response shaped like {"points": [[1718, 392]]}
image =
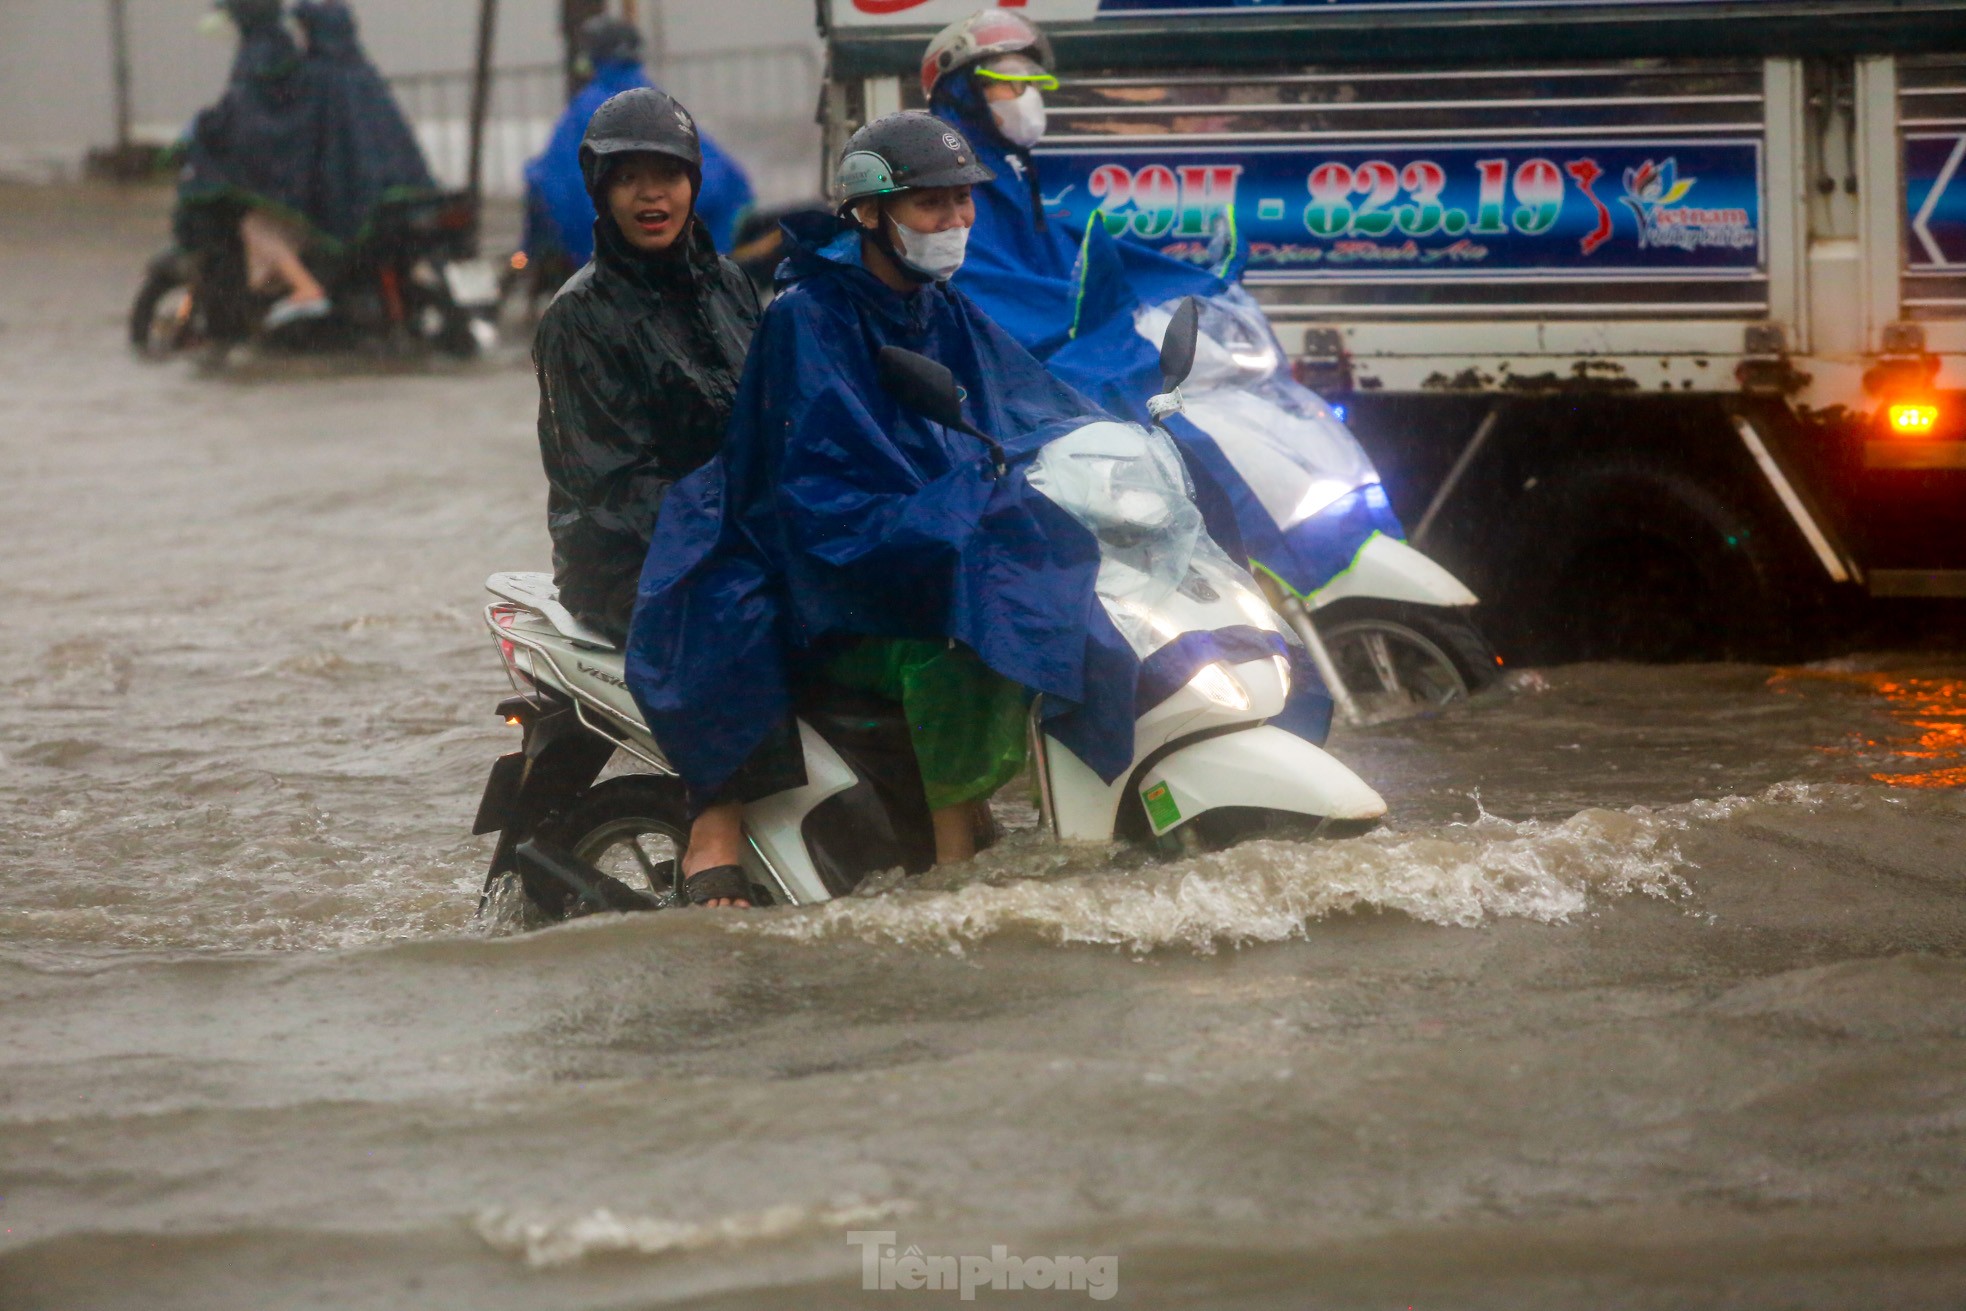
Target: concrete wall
{"points": [[56, 100]]}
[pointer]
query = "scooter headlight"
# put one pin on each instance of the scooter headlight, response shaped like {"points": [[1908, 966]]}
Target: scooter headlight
{"points": [[1218, 685], [1258, 610]]}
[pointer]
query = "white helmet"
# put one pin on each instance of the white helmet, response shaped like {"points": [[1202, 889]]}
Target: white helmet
{"points": [[986, 34]]}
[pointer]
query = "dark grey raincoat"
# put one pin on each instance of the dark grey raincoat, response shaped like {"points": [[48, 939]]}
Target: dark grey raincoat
{"points": [[639, 359]]}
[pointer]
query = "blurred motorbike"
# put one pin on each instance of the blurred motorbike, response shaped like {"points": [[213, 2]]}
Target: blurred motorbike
{"points": [[411, 279]]}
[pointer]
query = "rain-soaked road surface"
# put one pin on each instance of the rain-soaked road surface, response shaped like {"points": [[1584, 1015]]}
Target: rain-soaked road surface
{"points": [[1675, 1015]]}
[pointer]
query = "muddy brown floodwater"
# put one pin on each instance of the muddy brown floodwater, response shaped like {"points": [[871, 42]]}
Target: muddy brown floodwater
{"points": [[1652, 994]]}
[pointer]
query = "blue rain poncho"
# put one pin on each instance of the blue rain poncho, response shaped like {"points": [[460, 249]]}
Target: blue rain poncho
{"points": [[560, 213], [257, 145], [367, 153], [833, 512], [1080, 301]]}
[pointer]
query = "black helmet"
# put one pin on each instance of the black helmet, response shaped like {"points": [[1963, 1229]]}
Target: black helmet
{"points": [[642, 121], [607, 40], [908, 151]]}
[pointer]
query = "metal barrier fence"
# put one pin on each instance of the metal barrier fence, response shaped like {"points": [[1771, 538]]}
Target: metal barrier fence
{"points": [[758, 104]]}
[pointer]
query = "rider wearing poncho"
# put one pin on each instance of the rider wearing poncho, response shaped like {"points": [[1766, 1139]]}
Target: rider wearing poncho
{"points": [[251, 169], [367, 152], [1072, 298], [840, 530], [559, 212], [297, 155], [257, 142]]}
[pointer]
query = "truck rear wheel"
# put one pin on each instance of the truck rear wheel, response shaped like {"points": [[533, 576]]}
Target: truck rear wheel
{"points": [[1636, 562]]}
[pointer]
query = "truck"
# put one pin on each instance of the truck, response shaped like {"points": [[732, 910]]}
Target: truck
{"points": [[1652, 313]]}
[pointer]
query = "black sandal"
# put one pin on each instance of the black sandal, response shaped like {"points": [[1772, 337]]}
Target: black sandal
{"points": [[718, 883]]}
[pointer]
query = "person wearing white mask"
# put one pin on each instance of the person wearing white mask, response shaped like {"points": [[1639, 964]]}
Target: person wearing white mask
{"points": [[916, 236], [834, 540], [1013, 88], [987, 76]]}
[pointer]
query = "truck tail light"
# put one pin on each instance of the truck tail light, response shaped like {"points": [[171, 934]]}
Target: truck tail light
{"points": [[1913, 419]]}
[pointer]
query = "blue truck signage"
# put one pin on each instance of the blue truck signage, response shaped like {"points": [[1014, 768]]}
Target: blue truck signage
{"points": [[1935, 201], [1670, 209]]}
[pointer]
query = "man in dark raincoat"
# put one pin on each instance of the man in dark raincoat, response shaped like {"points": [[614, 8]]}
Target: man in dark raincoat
{"points": [[559, 213], [841, 534], [367, 153], [638, 360]]}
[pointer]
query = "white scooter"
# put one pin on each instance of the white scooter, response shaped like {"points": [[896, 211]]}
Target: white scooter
{"points": [[1392, 633], [1207, 768]]}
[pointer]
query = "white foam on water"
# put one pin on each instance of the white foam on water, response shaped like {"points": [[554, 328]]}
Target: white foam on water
{"points": [[547, 1243], [1459, 875]]}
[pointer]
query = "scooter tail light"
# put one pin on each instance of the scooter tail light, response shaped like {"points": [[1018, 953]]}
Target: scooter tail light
{"points": [[518, 662]]}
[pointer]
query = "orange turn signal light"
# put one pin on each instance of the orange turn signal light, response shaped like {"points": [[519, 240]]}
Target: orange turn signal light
{"points": [[519, 261], [1913, 420]]}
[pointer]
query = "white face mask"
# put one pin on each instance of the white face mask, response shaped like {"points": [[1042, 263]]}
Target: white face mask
{"points": [[1021, 118], [934, 255]]}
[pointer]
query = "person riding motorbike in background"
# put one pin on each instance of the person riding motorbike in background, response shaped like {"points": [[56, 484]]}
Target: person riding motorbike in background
{"points": [[838, 535], [1073, 297], [256, 146], [559, 213], [299, 152], [986, 75], [638, 361], [368, 153]]}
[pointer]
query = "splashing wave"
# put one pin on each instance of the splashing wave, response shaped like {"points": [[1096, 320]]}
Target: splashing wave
{"points": [[548, 1243], [1459, 875]]}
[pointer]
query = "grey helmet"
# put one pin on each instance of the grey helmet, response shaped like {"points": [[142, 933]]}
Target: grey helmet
{"points": [[907, 151], [641, 121]]}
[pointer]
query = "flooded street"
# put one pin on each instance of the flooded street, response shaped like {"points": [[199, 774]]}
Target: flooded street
{"points": [[1652, 994]]}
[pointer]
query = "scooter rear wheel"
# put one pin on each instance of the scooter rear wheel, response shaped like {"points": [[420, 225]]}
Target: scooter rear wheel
{"points": [[632, 828]]}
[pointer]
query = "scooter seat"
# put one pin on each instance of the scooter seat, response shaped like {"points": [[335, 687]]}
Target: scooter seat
{"points": [[537, 592]]}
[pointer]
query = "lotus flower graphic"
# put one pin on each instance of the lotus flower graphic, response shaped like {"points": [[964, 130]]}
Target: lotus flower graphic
{"points": [[1651, 187]]}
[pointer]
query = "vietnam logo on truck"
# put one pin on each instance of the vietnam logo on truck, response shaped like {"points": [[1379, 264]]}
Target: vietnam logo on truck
{"points": [[1652, 194]]}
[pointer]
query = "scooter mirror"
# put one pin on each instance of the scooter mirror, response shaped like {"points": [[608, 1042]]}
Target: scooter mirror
{"points": [[1177, 348], [930, 390], [922, 385]]}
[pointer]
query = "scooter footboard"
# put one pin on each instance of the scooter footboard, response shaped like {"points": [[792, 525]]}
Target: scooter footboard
{"points": [[1262, 768]]}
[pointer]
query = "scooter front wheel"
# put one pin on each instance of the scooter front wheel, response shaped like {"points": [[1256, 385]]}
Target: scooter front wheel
{"points": [[1400, 659], [162, 318]]}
